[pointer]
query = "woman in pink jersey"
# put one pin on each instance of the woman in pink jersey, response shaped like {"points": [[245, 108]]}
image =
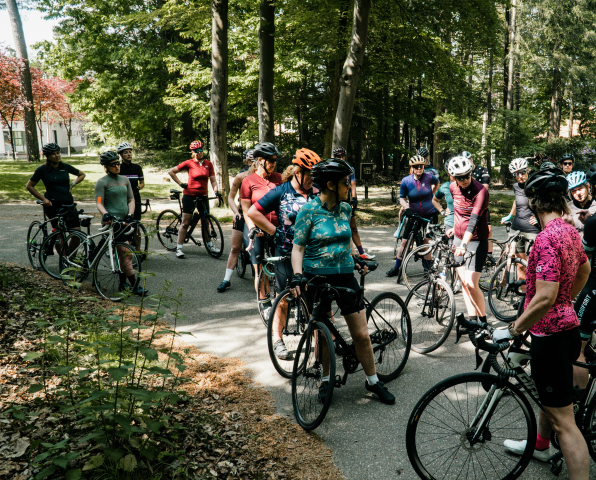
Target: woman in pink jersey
{"points": [[557, 271]]}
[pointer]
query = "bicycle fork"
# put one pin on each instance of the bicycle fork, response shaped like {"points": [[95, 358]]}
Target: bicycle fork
{"points": [[478, 431]]}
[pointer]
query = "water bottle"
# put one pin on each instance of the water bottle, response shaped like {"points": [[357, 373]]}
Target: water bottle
{"points": [[442, 276]]}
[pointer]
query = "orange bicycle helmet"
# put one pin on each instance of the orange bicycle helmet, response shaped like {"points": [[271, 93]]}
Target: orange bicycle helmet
{"points": [[196, 144], [306, 158]]}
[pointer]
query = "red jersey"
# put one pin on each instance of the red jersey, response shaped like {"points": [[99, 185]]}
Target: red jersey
{"points": [[198, 176], [254, 187], [468, 201]]}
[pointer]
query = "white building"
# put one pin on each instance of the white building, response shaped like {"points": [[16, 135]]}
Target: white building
{"points": [[51, 133]]}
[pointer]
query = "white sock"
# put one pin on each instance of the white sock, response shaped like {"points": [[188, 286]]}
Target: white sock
{"points": [[228, 276], [372, 379], [326, 379], [178, 246]]}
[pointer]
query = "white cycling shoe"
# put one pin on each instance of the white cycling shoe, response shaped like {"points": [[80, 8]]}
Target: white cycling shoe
{"points": [[518, 448]]}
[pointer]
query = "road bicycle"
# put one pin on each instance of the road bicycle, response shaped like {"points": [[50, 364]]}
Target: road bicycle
{"points": [[315, 355], [43, 248], [420, 231], [243, 262], [102, 260], [458, 427], [168, 223], [267, 290]]}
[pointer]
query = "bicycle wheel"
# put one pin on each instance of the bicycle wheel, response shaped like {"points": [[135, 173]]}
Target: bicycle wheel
{"points": [[49, 255], [266, 294], [390, 334], [74, 262], [590, 427], [289, 316], [404, 255], [167, 225], [432, 315], [35, 237], [212, 233], [503, 300], [413, 269], [142, 246], [455, 430], [489, 268], [106, 270], [241, 263], [315, 359]]}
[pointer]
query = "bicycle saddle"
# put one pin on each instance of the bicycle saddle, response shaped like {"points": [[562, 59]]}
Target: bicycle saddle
{"points": [[173, 190], [372, 266]]}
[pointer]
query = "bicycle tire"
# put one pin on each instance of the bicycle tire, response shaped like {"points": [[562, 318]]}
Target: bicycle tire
{"points": [[439, 427], [77, 258], [293, 327], [36, 234], [270, 290], [241, 263], [386, 316], [210, 223], [413, 271], [489, 269], [105, 280], [143, 248], [167, 226], [404, 255], [307, 374], [502, 302], [427, 334], [51, 262], [590, 427]]}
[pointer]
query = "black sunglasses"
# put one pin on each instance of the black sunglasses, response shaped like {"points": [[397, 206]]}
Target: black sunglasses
{"points": [[567, 163], [463, 177], [115, 164], [417, 167], [522, 172], [197, 150]]}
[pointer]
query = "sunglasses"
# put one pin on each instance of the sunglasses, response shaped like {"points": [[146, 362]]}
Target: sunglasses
{"points": [[115, 164], [348, 183], [418, 167], [197, 150], [567, 164], [521, 173], [461, 178]]}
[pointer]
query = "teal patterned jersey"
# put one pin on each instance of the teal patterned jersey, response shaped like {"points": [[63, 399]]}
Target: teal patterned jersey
{"points": [[326, 238]]}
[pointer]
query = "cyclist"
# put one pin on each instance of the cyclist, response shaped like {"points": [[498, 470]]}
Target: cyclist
{"points": [[425, 153], [557, 271], [115, 198], [134, 173], [253, 188], [580, 193], [416, 194], [322, 247], [470, 203], [340, 152], [238, 225], [285, 200], [566, 163], [443, 192], [195, 192]]}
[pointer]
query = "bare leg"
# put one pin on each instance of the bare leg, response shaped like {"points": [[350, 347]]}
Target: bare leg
{"points": [[186, 217], [359, 332], [580, 375], [235, 250], [473, 296], [279, 320]]}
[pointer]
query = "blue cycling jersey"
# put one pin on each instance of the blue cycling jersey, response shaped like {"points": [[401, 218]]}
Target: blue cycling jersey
{"points": [[419, 193]]}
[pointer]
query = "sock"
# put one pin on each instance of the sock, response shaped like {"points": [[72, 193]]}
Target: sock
{"points": [[132, 280], [178, 246], [482, 319], [372, 379], [542, 443], [325, 378], [397, 262], [360, 249], [228, 276], [122, 278]]}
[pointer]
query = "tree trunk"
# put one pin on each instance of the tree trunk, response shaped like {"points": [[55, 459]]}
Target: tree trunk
{"points": [[553, 120], [511, 59], [437, 139], [396, 138], [68, 126], [9, 126], [358, 156], [351, 72], [489, 104], [266, 73], [29, 112], [188, 131], [406, 157], [570, 112], [219, 94], [419, 113], [506, 55]]}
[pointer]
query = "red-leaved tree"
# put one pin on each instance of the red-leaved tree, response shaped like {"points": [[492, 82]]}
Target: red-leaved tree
{"points": [[12, 102], [62, 111]]}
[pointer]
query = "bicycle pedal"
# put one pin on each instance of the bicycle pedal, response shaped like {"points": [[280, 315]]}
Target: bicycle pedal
{"points": [[338, 381]]}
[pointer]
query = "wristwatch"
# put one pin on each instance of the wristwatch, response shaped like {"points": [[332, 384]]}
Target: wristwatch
{"points": [[512, 330], [464, 246]]}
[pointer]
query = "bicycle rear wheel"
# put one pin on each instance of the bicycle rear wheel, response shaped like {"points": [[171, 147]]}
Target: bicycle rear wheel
{"points": [[211, 231], [35, 237], [290, 317], [265, 295], [107, 270], [413, 267], [390, 334], [142, 245], [241, 263], [503, 300], [315, 359], [449, 436], [404, 255], [167, 225], [432, 315], [49, 255], [590, 427]]}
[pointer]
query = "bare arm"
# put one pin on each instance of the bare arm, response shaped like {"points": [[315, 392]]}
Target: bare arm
{"points": [[404, 203], [79, 179], [172, 173], [101, 209], [354, 189], [435, 188], [546, 295], [141, 184], [233, 191], [260, 220], [245, 208], [32, 190], [297, 258], [437, 204], [214, 184], [583, 272], [131, 206]]}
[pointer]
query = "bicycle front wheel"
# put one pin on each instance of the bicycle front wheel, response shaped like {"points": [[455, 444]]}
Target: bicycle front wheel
{"points": [[35, 237], [458, 428], [74, 262], [404, 255], [315, 359], [503, 300], [266, 294], [415, 267], [431, 306], [108, 274], [241, 263], [390, 334], [49, 255], [590, 427], [212, 236], [139, 239], [167, 225]]}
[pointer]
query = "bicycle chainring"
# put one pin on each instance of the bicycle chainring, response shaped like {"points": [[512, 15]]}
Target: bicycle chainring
{"points": [[350, 363]]}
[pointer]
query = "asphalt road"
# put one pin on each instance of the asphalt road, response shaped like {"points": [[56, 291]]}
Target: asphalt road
{"points": [[367, 437]]}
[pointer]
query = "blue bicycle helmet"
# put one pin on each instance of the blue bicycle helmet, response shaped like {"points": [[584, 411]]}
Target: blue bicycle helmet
{"points": [[576, 179]]}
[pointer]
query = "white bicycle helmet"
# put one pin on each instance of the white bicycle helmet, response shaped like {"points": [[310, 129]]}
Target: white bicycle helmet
{"points": [[459, 166], [123, 146], [518, 164]]}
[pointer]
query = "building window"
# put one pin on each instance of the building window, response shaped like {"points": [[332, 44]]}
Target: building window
{"points": [[19, 141]]}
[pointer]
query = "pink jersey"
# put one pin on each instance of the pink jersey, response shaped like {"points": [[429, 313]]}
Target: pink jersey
{"points": [[555, 257]]}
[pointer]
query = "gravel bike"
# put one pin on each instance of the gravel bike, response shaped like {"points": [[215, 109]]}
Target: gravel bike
{"points": [[419, 232], [168, 223]]}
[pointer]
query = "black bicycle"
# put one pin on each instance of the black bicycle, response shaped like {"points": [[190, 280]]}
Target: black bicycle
{"points": [[168, 223], [420, 231]]}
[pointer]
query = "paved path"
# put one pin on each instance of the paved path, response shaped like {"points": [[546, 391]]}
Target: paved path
{"points": [[368, 438]]}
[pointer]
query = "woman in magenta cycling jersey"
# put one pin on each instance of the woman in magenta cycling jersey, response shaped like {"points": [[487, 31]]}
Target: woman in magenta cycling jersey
{"points": [[557, 271]]}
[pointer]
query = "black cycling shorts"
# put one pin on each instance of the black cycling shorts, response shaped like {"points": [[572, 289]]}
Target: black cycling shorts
{"points": [[552, 366], [585, 307], [138, 206], [71, 219], [434, 219], [258, 246], [488, 216], [476, 262], [190, 201], [283, 271], [347, 303], [238, 225]]}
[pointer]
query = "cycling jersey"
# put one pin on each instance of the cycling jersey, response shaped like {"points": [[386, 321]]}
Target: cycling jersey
{"points": [[555, 257], [480, 174], [432, 170], [589, 242], [254, 187], [419, 193], [471, 210], [198, 176], [134, 173], [575, 207], [521, 221], [444, 192], [351, 178], [56, 181], [326, 237], [114, 192]]}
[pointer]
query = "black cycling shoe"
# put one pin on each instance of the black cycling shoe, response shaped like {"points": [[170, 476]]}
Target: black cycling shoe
{"points": [[394, 272], [323, 391], [380, 391], [223, 286]]}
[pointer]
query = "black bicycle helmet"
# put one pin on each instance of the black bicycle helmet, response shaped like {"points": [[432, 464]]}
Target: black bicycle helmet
{"points": [[108, 157], [546, 182], [339, 152], [567, 156], [423, 152], [265, 150], [330, 170], [591, 175], [50, 148]]}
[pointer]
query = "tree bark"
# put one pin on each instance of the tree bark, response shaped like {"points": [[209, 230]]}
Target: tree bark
{"points": [[396, 138], [29, 112], [511, 59], [219, 94], [351, 72], [506, 55], [266, 73], [419, 113], [570, 112], [437, 138], [553, 121]]}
